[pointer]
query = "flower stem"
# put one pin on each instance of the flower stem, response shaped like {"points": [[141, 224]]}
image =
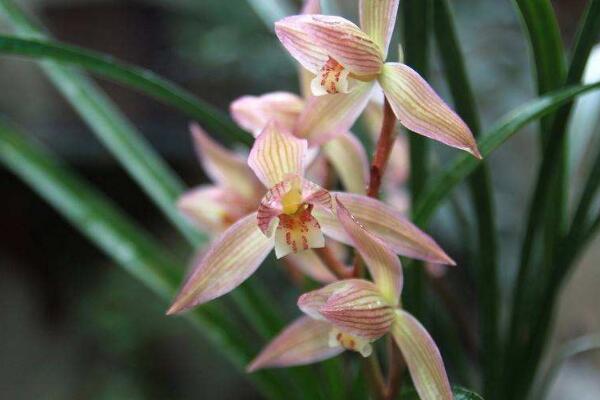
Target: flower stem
{"points": [[374, 377], [396, 369], [383, 150], [340, 270], [387, 136]]}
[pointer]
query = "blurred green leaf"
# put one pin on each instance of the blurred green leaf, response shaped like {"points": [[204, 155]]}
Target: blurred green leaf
{"points": [[138, 78], [416, 24], [526, 317], [488, 291], [458, 392], [132, 151], [501, 131], [103, 224], [272, 10]]}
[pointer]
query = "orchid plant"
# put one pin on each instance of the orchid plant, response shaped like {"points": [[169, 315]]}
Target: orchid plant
{"points": [[306, 190], [295, 213]]}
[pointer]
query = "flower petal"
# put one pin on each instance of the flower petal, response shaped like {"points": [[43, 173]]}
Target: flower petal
{"points": [[349, 158], [305, 341], [325, 117], [403, 237], [276, 154], [344, 42], [230, 260], [423, 358], [383, 264], [295, 37], [222, 165], [421, 110], [254, 112], [213, 208], [311, 302], [377, 19], [311, 265], [358, 307]]}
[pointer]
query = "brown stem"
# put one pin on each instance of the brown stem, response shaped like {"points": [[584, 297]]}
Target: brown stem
{"points": [[374, 377], [340, 270], [385, 143], [396, 369], [383, 150]]}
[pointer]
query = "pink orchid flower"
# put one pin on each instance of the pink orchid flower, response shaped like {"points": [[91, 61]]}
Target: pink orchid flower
{"points": [[340, 148], [293, 216], [351, 314], [235, 193], [349, 60]]}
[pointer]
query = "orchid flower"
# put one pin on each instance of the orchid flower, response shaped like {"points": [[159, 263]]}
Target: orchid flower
{"points": [[351, 314], [292, 217], [348, 60], [341, 148], [235, 193]]}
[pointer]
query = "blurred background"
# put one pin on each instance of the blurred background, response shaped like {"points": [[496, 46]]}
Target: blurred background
{"points": [[74, 326]]}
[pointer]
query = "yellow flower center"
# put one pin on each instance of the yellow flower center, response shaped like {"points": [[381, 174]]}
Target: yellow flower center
{"points": [[292, 200]]}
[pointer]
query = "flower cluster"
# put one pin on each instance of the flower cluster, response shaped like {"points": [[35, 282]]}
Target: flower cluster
{"points": [[279, 196]]}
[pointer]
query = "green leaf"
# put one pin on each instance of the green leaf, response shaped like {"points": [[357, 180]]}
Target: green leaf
{"points": [[458, 392], [488, 290], [416, 24], [137, 78], [271, 10], [122, 240], [501, 131], [558, 257], [131, 150]]}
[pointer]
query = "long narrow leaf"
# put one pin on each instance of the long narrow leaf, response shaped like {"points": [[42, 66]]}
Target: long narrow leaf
{"points": [[111, 127], [416, 23], [129, 147], [550, 213], [141, 79], [481, 197], [122, 240], [463, 165]]}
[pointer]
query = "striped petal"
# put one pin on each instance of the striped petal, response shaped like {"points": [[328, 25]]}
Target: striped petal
{"points": [[254, 112], [377, 19], [305, 341], [230, 260], [421, 110], [423, 358], [223, 166], [213, 209], [383, 264], [298, 42], [326, 117], [344, 42], [355, 306], [311, 265], [349, 158], [276, 154], [403, 237]]}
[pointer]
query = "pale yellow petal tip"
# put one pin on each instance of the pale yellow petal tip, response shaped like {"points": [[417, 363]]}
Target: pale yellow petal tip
{"points": [[253, 367], [475, 152], [174, 309]]}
